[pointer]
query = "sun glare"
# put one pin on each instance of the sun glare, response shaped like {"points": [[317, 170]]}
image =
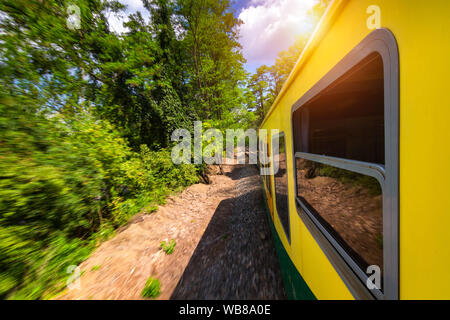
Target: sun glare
{"points": [[272, 26]]}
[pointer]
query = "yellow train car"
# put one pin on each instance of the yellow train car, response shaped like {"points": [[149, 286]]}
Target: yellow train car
{"points": [[360, 202]]}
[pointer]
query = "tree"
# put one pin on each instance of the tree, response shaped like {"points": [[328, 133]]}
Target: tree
{"points": [[215, 63], [261, 86], [285, 63]]}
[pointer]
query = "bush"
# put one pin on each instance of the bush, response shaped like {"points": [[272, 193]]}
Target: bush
{"points": [[152, 288], [168, 248], [66, 183]]}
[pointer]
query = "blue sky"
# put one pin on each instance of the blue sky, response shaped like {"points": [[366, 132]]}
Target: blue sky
{"points": [[241, 4], [269, 27]]}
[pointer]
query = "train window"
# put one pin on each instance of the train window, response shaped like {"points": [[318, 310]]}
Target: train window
{"points": [[267, 171], [280, 178], [348, 205], [347, 119], [345, 131]]}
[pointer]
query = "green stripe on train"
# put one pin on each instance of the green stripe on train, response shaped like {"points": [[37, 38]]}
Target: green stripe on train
{"points": [[296, 288]]}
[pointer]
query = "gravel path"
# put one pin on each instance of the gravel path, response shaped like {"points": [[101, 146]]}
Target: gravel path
{"points": [[223, 250], [243, 263]]}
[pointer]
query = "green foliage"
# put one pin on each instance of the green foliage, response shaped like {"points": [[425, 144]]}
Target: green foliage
{"points": [[31, 269], [212, 56], [152, 288], [150, 176], [129, 79], [379, 240], [95, 268], [168, 248], [349, 177], [65, 183]]}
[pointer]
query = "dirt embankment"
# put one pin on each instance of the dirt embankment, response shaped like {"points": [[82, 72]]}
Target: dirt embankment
{"points": [[223, 247]]}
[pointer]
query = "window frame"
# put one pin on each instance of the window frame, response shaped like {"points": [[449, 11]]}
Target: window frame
{"points": [[274, 196], [383, 42], [267, 169]]}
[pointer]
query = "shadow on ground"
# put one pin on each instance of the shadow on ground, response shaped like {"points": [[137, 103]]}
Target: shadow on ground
{"points": [[235, 258]]}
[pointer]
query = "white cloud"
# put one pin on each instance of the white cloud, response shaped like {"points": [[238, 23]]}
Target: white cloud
{"points": [[271, 26], [116, 21], [133, 5]]}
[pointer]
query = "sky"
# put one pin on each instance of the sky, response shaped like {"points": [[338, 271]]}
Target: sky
{"points": [[269, 26]]}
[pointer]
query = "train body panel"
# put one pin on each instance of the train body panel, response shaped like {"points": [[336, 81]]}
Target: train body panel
{"points": [[421, 33]]}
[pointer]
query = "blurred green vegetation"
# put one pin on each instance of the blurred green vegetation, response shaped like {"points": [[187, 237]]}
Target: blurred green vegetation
{"points": [[66, 184], [169, 247], [152, 288], [351, 178]]}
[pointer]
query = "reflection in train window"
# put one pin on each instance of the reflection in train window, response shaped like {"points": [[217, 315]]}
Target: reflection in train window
{"points": [[339, 142], [346, 120], [267, 170], [348, 204], [280, 178]]}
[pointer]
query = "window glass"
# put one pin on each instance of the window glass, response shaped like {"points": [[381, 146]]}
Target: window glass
{"points": [[348, 204], [280, 178], [267, 171], [346, 120]]}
